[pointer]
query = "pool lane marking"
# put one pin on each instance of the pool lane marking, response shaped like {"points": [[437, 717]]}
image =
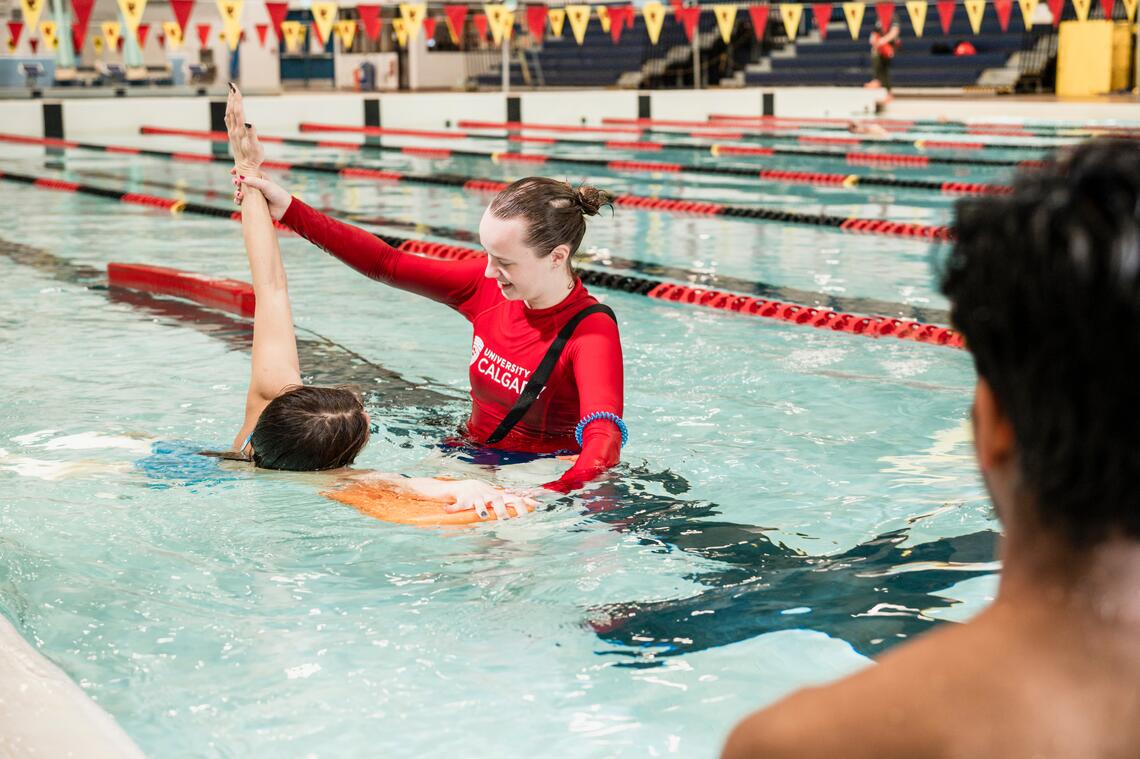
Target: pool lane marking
{"points": [[856, 324], [929, 232], [902, 125], [806, 298], [503, 156]]}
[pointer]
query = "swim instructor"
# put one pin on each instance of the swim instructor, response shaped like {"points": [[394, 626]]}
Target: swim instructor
{"points": [[531, 315]]}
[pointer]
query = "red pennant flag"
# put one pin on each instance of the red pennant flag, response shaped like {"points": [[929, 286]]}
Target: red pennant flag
{"points": [[161, 40], [481, 25], [456, 17], [1056, 7], [822, 13], [15, 28], [35, 43], [277, 13], [618, 16], [678, 5], [182, 10], [946, 13], [536, 21], [119, 44], [1003, 9], [144, 30], [203, 34], [429, 28], [262, 30], [759, 15], [688, 18], [1106, 6], [886, 13], [369, 19], [82, 10]]}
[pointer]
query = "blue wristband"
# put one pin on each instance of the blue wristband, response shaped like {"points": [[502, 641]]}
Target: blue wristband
{"points": [[595, 417]]}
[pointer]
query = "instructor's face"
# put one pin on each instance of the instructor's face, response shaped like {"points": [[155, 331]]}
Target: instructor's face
{"points": [[520, 273]]}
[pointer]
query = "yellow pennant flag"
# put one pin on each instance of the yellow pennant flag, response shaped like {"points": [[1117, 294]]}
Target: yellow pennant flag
{"points": [[1028, 8], [853, 12], [975, 9], [1082, 7], [294, 34], [413, 15], [604, 18], [916, 9], [97, 43], [401, 30], [32, 10], [346, 30], [132, 11], [173, 34], [579, 16], [654, 14], [47, 31], [1130, 9], [112, 31], [231, 21], [791, 13], [324, 16], [557, 18], [501, 21], [725, 20]]}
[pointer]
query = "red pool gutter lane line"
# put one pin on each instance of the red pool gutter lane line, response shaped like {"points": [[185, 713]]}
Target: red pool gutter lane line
{"points": [[237, 297], [673, 205], [715, 149], [229, 295]]}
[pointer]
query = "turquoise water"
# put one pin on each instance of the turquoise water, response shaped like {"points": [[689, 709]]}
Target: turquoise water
{"points": [[791, 502]]}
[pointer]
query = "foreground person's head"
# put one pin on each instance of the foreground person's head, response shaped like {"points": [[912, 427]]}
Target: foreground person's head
{"points": [[308, 429], [1045, 287], [531, 231]]}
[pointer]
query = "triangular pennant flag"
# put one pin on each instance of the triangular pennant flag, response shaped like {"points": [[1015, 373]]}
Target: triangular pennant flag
{"points": [[34, 44], [791, 13], [277, 13], [726, 20], [230, 11], [579, 16], [1082, 8], [324, 16], [618, 22], [15, 29], [262, 30], [654, 14], [1056, 8], [886, 14], [853, 12], [161, 40], [975, 9], [500, 20], [112, 32], [536, 21], [1028, 8], [144, 31], [82, 11], [688, 18], [916, 9], [47, 31], [1106, 6], [480, 21], [413, 15], [173, 34], [293, 34], [759, 16], [1130, 9], [557, 18], [400, 27], [12, 42], [203, 34], [31, 13], [370, 21], [604, 18], [132, 11], [346, 30], [182, 10], [429, 28], [822, 14], [946, 13], [97, 43], [1003, 8], [456, 18]]}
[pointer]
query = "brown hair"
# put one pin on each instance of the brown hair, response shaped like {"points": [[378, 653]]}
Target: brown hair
{"points": [[308, 429], [553, 211]]}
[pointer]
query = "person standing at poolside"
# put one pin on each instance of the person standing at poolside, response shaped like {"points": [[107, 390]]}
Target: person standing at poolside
{"points": [[523, 300], [884, 45], [1045, 286]]}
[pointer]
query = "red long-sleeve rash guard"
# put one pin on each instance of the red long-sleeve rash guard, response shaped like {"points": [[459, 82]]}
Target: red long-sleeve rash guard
{"points": [[509, 342]]}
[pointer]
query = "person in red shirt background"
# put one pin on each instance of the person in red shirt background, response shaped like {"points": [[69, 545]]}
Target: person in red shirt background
{"points": [[520, 300]]}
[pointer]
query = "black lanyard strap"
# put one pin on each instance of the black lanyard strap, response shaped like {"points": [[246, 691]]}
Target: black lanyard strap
{"points": [[538, 380]]}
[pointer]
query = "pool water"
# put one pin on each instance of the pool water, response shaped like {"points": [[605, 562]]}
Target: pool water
{"points": [[792, 501]]}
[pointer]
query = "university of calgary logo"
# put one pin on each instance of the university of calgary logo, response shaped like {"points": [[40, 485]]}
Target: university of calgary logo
{"points": [[476, 349]]}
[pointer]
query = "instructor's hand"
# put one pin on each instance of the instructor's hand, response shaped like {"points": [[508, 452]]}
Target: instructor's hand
{"points": [[481, 496], [275, 195]]}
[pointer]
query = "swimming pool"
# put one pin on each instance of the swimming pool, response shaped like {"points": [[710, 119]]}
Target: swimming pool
{"points": [[792, 500]]}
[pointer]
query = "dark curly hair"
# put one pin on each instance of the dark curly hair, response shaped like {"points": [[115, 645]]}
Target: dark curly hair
{"points": [[309, 429]]}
